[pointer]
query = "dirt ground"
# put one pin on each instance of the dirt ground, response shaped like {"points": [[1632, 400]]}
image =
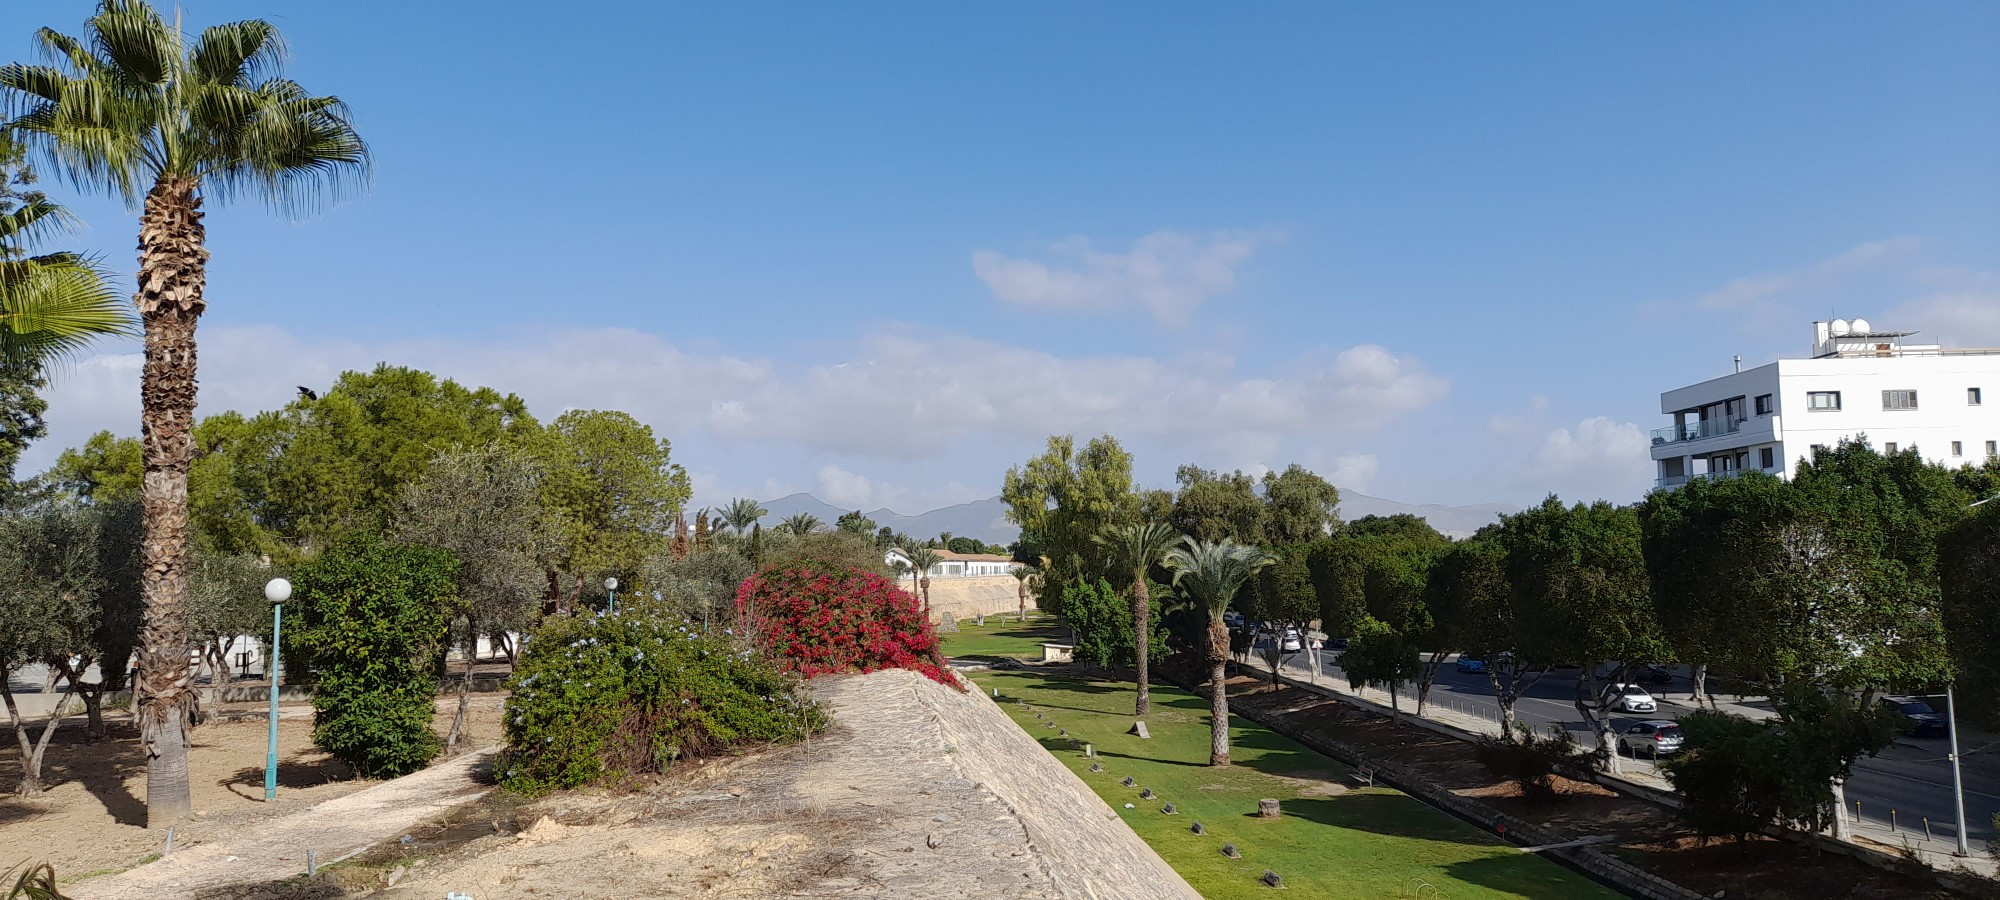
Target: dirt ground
{"points": [[92, 818], [1648, 834]]}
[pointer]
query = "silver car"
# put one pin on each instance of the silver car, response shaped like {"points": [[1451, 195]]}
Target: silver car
{"points": [[1658, 737]]}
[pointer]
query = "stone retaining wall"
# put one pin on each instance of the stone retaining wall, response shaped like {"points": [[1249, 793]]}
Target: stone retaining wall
{"points": [[974, 596]]}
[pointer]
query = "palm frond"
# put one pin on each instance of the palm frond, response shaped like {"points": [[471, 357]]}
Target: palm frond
{"points": [[237, 53], [137, 43], [30, 223], [54, 307], [36, 882]]}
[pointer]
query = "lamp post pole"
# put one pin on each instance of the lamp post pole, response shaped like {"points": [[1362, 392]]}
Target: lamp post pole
{"points": [[1951, 726], [611, 587], [277, 590]]}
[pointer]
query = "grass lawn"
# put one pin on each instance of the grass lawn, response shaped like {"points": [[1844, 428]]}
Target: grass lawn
{"points": [[1330, 842]]}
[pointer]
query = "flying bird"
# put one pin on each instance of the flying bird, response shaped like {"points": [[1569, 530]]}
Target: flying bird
{"points": [[306, 393]]}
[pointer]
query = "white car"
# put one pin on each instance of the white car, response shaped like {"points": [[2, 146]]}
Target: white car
{"points": [[1291, 642], [1630, 698]]}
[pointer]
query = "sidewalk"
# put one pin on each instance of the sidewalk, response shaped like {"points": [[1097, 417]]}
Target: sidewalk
{"points": [[275, 850], [1442, 715]]}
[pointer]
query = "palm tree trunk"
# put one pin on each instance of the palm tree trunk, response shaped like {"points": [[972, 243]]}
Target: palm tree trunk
{"points": [[1021, 593], [1141, 612], [927, 595], [1218, 694], [172, 261]]}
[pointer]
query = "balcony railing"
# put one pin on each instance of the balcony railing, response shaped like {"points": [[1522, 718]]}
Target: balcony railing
{"points": [[1694, 431]]}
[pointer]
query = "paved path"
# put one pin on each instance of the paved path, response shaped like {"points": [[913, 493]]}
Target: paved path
{"points": [[274, 850]]}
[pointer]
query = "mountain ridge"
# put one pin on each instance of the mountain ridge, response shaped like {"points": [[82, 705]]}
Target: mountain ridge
{"points": [[987, 519]]}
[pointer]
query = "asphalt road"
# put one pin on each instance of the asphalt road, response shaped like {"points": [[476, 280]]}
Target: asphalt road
{"points": [[1913, 777]]}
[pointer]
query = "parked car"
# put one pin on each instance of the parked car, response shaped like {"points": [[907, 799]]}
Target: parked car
{"points": [[1291, 643], [1630, 698], [1658, 674], [1917, 716], [1232, 619], [1656, 737], [1471, 664], [1336, 643]]}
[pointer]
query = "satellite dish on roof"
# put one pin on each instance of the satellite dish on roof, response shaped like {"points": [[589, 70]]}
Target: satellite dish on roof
{"points": [[1839, 327], [1860, 326]]}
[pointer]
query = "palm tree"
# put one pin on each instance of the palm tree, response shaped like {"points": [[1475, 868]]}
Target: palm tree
{"points": [[800, 524], [165, 119], [1022, 574], [741, 513], [1209, 574], [1136, 549], [922, 560], [51, 306]]}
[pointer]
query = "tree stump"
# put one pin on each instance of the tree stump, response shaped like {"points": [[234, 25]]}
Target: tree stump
{"points": [[1267, 808], [948, 624]]}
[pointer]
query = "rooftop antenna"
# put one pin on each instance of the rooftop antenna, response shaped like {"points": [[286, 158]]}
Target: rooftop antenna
{"points": [[1739, 362]]}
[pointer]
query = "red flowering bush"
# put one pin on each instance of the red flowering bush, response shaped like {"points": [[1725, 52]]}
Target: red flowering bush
{"points": [[821, 618]]}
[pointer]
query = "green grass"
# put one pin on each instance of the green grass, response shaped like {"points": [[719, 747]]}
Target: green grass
{"points": [[1330, 842], [1004, 639]]}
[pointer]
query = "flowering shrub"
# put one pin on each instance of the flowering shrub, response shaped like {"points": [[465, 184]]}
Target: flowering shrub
{"points": [[821, 618], [599, 696]]}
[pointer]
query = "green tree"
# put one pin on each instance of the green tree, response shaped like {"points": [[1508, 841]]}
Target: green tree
{"points": [[191, 118], [855, 522], [1065, 497], [612, 491], [1213, 506], [1737, 776], [1702, 542], [741, 513], [484, 507], [106, 469], [1284, 597], [922, 561], [1209, 574], [225, 602], [965, 545], [1299, 506], [1582, 596], [701, 588], [1970, 567], [371, 620], [798, 524], [1025, 578], [1135, 549], [1380, 656], [1468, 595]]}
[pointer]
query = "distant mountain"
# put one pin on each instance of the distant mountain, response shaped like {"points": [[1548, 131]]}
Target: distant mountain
{"points": [[987, 519], [982, 519]]}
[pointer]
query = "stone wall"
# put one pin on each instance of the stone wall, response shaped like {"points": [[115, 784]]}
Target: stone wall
{"points": [[973, 596]]}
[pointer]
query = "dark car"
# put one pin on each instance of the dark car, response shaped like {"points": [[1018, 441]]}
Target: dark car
{"points": [[1471, 664], [1657, 674], [1916, 715]]}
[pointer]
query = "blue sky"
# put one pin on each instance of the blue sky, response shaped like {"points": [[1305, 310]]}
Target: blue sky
{"points": [[1441, 253]]}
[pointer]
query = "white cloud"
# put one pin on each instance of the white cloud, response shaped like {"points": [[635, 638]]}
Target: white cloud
{"points": [[1355, 472], [1963, 310], [1754, 290], [843, 488], [1598, 457], [903, 395], [1166, 273]]}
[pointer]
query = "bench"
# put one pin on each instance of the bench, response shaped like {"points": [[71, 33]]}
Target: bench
{"points": [[1363, 777], [1058, 653]]}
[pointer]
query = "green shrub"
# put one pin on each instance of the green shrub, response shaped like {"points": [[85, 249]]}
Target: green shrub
{"points": [[369, 617], [1101, 617], [1530, 760], [599, 696]]}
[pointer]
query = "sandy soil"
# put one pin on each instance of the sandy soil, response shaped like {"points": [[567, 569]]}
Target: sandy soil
{"points": [[92, 819]]}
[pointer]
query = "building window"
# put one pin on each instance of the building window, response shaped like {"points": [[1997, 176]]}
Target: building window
{"points": [[1764, 404], [1993, 448], [1971, 396], [1957, 449], [1899, 399], [1889, 449], [1823, 400], [1764, 458], [1673, 467]]}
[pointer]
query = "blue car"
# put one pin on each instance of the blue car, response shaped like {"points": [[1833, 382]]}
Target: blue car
{"points": [[1471, 664]]}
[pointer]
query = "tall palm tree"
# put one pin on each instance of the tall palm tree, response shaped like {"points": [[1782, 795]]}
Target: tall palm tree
{"points": [[1209, 573], [922, 560], [800, 524], [1022, 574], [166, 120], [53, 305], [741, 513], [1136, 549]]}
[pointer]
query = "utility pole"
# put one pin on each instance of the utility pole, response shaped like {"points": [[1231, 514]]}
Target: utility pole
{"points": [[1957, 780]]}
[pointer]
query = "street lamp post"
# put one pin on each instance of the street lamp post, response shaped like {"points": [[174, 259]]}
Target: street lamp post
{"points": [[277, 590], [611, 587], [1951, 728]]}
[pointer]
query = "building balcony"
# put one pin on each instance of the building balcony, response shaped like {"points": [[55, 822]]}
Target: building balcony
{"points": [[1694, 431], [1669, 481]]}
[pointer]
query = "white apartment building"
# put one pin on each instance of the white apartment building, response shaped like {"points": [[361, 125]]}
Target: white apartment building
{"points": [[1858, 380]]}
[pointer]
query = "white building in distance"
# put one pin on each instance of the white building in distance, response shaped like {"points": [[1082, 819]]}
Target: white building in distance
{"points": [[958, 565], [1858, 381]]}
